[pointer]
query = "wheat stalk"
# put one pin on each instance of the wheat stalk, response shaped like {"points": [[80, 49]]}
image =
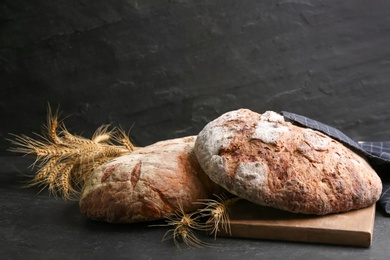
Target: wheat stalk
{"points": [[218, 213], [64, 160], [184, 225]]}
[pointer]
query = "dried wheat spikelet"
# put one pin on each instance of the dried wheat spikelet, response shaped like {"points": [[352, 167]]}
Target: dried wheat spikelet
{"points": [[64, 161], [184, 224], [218, 213], [184, 227]]}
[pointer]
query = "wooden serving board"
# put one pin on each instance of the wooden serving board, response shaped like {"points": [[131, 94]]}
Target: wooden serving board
{"points": [[248, 220]]}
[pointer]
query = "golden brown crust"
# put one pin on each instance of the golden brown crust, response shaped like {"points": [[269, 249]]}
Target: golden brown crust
{"points": [[274, 163], [147, 184]]}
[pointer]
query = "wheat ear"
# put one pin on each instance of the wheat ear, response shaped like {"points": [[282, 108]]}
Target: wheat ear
{"points": [[218, 212], [183, 228], [65, 161]]}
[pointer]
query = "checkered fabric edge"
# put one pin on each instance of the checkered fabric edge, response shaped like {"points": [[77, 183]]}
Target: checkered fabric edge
{"points": [[380, 151]]}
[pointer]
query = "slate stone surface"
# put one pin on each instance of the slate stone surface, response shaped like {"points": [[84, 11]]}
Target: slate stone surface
{"points": [[36, 226], [166, 68]]}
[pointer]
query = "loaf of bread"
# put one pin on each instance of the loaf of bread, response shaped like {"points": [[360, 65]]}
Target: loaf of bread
{"points": [[272, 162], [147, 184]]}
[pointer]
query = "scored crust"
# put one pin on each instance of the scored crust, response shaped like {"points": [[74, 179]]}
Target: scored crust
{"points": [[271, 162], [147, 184]]}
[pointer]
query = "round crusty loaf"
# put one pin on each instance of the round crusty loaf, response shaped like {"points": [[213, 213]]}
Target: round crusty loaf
{"points": [[147, 184], [271, 162]]}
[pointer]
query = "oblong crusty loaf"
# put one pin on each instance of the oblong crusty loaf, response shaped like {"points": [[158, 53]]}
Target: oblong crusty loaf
{"points": [[271, 162], [147, 184]]}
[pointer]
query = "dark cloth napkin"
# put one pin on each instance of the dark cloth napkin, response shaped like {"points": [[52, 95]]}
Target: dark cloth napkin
{"points": [[377, 153]]}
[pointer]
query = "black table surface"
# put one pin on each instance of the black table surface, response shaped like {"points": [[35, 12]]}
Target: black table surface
{"points": [[35, 225]]}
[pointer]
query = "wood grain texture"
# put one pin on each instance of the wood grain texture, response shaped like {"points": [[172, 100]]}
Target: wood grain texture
{"points": [[353, 228]]}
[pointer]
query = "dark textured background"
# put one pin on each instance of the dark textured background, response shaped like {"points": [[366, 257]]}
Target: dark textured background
{"points": [[166, 68]]}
